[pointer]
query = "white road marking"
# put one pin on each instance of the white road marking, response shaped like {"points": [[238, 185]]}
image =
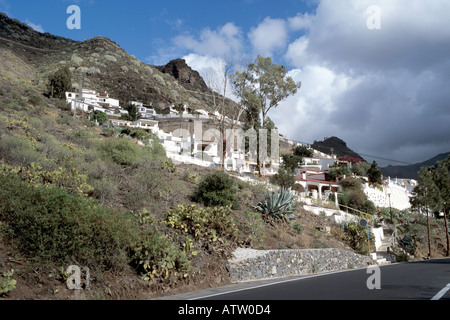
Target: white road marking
{"points": [[295, 278], [441, 293]]}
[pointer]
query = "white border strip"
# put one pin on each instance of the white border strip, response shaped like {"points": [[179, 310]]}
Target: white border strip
{"points": [[441, 293]]}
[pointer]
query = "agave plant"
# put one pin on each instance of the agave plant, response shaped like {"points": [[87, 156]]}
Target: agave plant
{"points": [[278, 205]]}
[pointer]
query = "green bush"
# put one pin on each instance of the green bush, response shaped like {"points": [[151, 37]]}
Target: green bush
{"points": [[18, 151], [69, 180], [156, 257], [6, 283], [51, 226], [298, 228], [120, 151], [210, 226], [216, 189], [36, 100], [284, 178], [357, 236], [100, 116], [252, 227]]}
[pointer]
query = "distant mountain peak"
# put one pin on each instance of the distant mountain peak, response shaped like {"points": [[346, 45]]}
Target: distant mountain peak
{"points": [[335, 145]]}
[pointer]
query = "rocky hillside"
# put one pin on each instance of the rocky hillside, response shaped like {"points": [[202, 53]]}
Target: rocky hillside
{"points": [[102, 65], [336, 146]]}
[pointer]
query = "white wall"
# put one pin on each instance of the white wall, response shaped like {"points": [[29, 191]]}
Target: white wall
{"points": [[399, 198]]}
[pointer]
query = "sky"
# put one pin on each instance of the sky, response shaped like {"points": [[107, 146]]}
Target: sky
{"points": [[374, 73]]}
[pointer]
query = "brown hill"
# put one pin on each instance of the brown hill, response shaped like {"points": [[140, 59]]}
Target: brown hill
{"points": [[336, 146], [103, 66]]}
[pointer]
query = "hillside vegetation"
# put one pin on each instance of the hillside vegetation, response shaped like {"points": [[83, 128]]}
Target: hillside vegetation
{"points": [[74, 193]]}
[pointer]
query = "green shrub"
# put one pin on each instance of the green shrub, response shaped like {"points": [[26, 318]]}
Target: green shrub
{"points": [[36, 100], [284, 178], [357, 236], [298, 227], [190, 177], [216, 189], [100, 116], [6, 283], [69, 180], [59, 83], [210, 226], [156, 257], [278, 205], [252, 228], [18, 151], [51, 226], [120, 151]]}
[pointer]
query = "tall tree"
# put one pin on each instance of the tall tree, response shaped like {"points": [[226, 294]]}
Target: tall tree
{"points": [[302, 151], [133, 113], [261, 87], [265, 85], [441, 177], [426, 197], [59, 83], [374, 174]]}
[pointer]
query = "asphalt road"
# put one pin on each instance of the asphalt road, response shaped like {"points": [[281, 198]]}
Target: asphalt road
{"points": [[421, 280]]}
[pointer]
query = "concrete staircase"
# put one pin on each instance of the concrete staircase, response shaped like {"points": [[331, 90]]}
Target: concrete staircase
{"points": [[382, 255]]}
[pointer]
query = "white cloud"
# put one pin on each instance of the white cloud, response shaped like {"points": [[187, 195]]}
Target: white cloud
{"points": [[225, 41], [268, 36], [383, 91], [301, 21], [212, 70], [36, 27], [305, 115]]}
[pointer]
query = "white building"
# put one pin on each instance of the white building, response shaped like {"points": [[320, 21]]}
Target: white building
{"points": [[145, 111], [145, 124], [91, 100]]}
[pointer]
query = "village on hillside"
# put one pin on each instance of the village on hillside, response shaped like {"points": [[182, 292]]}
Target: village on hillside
{"points": [[198, 148]]}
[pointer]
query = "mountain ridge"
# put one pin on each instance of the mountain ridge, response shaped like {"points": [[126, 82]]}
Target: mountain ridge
{"points": [[104, 66], [411, 171]]}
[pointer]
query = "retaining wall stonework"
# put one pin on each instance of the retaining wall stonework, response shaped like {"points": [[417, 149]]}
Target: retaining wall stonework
{"points": [[251, 264]]}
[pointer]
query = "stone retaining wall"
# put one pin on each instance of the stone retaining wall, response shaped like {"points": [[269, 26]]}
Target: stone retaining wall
{"points": [[251, 264]]}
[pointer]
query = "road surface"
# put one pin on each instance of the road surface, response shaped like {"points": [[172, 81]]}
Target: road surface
{"points": [[421, 280]]}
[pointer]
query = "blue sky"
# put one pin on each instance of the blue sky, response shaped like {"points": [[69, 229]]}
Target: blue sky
{"points": [[148, 29], [374, 73]]}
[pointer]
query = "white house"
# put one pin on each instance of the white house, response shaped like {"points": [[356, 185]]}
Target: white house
{"points": [[92, 100], [145, 111], [105, 100]]}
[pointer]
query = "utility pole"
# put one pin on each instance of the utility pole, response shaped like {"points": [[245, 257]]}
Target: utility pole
{"points": [[428, 231], [446, 230]]}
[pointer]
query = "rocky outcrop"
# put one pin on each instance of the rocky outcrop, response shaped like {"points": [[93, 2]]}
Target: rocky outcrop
{"points": [[336, 146], [187, 77]]}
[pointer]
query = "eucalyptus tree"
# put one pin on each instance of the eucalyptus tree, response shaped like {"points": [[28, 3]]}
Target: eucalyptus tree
{"points": [[260, 88], [263, 85], [441, 177], [426, 197]]}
